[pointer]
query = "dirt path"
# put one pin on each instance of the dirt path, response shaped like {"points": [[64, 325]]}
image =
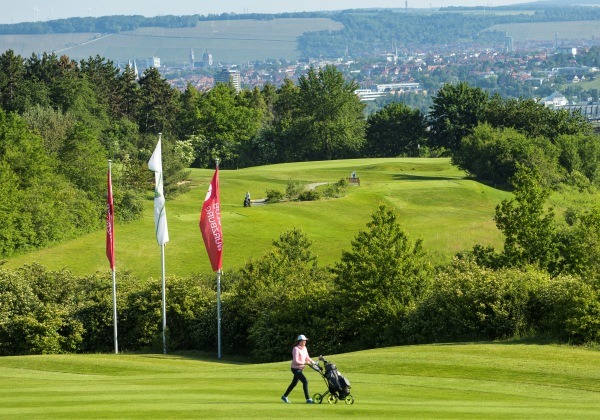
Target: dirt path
{"points": [[316, 184]]}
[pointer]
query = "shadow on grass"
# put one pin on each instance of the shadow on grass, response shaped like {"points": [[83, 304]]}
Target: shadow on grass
{"points": [[529, 340], [512, 341], [415, 177], [203, 356]]}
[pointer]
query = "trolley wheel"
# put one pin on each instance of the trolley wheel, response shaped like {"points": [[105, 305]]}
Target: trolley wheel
{"points": [[332, 399], [349, 399], [318, 398]]}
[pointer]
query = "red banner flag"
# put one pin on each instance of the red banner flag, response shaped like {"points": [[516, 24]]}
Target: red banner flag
{"points": [[210, 224], [110, 225]]}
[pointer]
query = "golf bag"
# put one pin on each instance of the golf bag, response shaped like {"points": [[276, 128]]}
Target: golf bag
{"points": [[338, 387], [337, 383]]}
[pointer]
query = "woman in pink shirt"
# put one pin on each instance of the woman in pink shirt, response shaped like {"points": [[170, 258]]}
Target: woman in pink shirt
{"points": [[300, 359]]}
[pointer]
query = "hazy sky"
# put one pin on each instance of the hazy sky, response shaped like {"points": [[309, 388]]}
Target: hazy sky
{"points": [[15, 11]]}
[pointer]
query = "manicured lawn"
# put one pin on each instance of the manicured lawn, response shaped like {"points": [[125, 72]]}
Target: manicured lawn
{"points": [[480, 380], [435, 202]]}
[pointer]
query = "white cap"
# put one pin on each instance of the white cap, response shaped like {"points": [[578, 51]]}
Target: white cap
{"points": [[302, 337]]}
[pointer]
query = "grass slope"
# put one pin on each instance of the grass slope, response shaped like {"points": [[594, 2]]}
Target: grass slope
{"points": [[435, 202], [480, 380], [227, 40], [546, 31], [236, 41]]}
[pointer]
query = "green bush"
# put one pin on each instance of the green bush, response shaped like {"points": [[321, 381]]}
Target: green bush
{"points": [[580, 154], [96, 313], [140, 320], [580, 245], [274, 196], [293, 189], [191, 314], [566, 308], [37, 312], [337, 189], [128, 204], [297, 306], [309, 195], [17, 301], [494, 155], [468, 302]]}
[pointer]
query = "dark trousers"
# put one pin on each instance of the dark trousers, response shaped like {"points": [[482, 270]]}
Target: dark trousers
{"points": [[298, 376]]}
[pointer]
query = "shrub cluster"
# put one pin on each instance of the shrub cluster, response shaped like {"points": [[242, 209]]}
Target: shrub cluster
{"points": [[44, 312], [265, 306], [383, 292], [337, 189], [295, 191]]}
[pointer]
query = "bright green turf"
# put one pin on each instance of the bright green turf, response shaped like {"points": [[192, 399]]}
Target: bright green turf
{"points": [[434, 200], [460, 381]]}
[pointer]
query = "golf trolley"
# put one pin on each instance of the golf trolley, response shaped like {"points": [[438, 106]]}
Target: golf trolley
{"points": [[338, 387]]}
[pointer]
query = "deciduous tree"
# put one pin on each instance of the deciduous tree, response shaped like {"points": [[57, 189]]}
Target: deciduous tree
{"points": [[396, 130], [330, 115], [457, 109], [382, 276]]}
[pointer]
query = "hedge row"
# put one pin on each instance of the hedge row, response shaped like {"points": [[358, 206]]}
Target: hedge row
{"points": [[265, 306]]}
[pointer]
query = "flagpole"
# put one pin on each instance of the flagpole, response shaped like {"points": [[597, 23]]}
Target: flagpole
{"points": [[114, 278], [160, 222], [164, 295], [212, 235], [164, 301], [219, 314], [218, 298]]}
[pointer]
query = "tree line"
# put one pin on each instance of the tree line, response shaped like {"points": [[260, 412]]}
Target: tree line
{"points": [[365, 32], [382, 292], [103, 25], [490, 137], [119, 23], [60, 120], [377, 31]]}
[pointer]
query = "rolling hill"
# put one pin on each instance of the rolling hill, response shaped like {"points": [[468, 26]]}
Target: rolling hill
{"points": [[435, 202], [227, 40]]}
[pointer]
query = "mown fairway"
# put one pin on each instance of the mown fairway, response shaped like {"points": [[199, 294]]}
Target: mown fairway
{"points": [[434, 381], [435, 202]]}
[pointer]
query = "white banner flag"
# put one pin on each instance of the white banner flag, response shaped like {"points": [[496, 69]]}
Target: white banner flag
{"points": [[160, 213]]}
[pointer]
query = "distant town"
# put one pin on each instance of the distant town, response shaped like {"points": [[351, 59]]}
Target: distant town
{"points": [[550, 75], [533, 51]]}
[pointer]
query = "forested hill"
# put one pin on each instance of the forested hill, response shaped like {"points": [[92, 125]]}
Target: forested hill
{"points": [[368, 31], [118, 23], [365, 31], [361, 22], [427, 19]]}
